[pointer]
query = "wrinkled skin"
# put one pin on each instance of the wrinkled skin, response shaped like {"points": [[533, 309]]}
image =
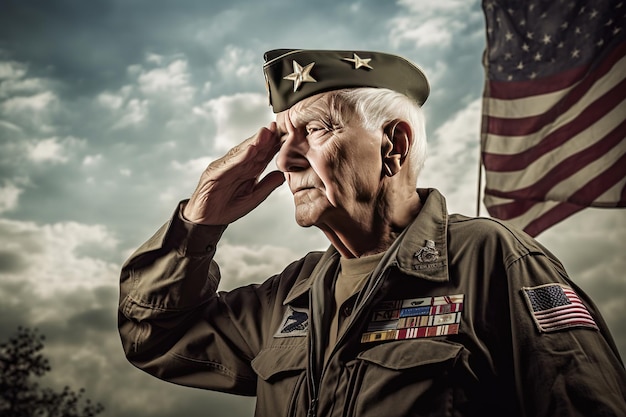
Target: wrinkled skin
{"points": [[352, 183], [331, 166]]}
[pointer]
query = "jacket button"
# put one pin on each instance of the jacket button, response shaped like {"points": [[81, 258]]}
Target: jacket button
{"points": [[347, 310]]}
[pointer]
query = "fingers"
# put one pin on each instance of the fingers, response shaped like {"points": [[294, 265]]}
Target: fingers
{"points": [[267, 185], [230, 186], [258, 150]]}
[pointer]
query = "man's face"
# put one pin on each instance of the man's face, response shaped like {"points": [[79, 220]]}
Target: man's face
{"points": [[332, 164]]}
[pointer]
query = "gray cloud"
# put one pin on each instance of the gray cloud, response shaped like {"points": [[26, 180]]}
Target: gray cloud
{"points": [[109, 112], [11, 262]]}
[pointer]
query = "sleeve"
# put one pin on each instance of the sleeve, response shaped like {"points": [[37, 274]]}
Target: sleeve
{"points": [[565, 360], [175, 326]]}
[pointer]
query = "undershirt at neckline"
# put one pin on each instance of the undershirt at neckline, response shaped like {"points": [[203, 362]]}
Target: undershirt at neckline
{"points": [[350, 279]]}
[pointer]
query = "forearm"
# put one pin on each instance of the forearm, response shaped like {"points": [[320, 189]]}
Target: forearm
{"points": [[164, 281]]}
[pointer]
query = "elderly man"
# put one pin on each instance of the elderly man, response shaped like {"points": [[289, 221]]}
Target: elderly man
{"points": [[410, 312]]}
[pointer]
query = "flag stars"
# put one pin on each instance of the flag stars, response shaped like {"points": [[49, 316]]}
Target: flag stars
{"points": [[542, 47]]}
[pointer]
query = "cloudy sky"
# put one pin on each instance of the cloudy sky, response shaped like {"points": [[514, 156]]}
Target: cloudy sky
{"points": [[110, 110]]}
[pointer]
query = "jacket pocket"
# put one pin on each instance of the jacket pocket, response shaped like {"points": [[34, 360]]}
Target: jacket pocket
{"points": [[281, 388], [411, 377]]}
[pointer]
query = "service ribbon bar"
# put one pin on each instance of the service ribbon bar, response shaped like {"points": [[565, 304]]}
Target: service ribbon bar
{"points": [[415, 318]]}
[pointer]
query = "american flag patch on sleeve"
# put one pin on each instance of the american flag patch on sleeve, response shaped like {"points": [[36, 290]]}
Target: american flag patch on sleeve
{"points": [[556, 307]]}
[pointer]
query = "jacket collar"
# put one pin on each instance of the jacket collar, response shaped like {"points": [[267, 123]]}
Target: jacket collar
{"points": [[421, 250], [303, 284]]}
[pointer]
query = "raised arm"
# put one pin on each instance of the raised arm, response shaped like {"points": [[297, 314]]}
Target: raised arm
{"points": [[172, 323]]}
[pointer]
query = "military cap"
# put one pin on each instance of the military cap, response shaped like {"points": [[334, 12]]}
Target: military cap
{"points": [[292, 75]]}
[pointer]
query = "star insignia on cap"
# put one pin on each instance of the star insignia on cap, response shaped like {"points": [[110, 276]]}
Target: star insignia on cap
{"points": [[300, 75], [359, 62]]}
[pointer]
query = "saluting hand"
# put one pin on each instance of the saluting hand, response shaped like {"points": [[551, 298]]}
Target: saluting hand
{"points": [[229, 187]]}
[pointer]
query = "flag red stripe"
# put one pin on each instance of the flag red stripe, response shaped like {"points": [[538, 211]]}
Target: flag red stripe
{"points": [[569, 323], [507, 211], [567, 167], [511, 90], [593, 113], [552, 217], [575, 315], [586, 194], [505, 126], [558, 312], [600, 184]]}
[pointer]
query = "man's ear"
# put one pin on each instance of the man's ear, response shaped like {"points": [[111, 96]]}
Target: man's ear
{"points": [[397, 136]]}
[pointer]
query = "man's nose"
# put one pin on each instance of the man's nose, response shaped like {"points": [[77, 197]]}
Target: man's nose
{"points": [[292, 154]]}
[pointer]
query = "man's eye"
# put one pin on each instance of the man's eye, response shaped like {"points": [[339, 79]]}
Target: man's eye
{"points": [[312, 129]]}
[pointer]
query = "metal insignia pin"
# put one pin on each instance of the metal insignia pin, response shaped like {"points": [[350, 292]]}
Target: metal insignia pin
{"points": [[427, 253], [300, 75], [359, 62]]}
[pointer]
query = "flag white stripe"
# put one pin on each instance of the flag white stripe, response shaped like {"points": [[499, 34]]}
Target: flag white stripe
{"points": [[570, 186], [510, 181], [533, 213], [612, 195], [511, 145], [538, 105]]}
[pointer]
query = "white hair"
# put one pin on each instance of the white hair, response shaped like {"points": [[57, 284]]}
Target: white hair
{"points": [[378, 106]]}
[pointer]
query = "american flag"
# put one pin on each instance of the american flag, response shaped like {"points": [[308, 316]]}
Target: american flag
{"points": [[557, 307], [554, 109]]}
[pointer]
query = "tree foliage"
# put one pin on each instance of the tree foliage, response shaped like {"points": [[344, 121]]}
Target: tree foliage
{"points": [[21, 363]]}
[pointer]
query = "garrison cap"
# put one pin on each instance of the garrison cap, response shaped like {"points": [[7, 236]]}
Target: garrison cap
{"points": [[292, 75]]}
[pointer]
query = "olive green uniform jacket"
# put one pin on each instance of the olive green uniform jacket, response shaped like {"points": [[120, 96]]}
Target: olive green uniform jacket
{"points": [[462, 317]]}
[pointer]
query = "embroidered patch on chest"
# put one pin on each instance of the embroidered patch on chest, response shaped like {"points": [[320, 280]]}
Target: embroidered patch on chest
{"points": [[295, 323], [556, 307], [414, 318]]}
